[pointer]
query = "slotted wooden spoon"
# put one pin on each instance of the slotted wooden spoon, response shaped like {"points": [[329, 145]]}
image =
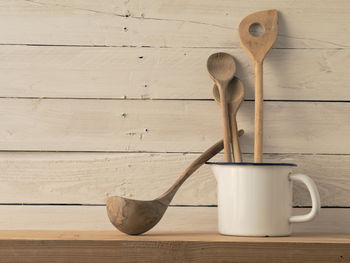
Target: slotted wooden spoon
{"points": [[235, 96], [257, 46]]}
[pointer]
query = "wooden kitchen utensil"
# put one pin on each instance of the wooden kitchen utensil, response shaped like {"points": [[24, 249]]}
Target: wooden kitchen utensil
{"points": [[257, 46], [222, 68], [235, 96], [135, 217]]}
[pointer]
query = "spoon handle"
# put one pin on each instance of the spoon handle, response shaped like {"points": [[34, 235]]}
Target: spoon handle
{"points": [[236, 147], [225, 121], [259, 116]]}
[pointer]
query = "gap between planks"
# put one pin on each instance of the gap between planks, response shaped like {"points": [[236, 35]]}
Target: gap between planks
{"points": [[166, 99], [163, 47]]}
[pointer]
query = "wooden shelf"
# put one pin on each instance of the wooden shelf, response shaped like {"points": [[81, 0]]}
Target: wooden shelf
{"points": [[113, 246]]}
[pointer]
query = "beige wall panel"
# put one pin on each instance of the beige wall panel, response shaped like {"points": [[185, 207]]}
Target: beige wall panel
{"points": [[167, 126], [197, 23], [89, 178], [175, 73]]}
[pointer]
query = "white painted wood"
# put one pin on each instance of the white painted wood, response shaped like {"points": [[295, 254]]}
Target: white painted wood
{"points": [[195, 23], [310, 62], [88, 178], [176, 219], [176, 73], [167, 126]]}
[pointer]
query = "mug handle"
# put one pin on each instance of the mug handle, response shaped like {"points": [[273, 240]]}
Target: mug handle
{"points": [[315, 198]]}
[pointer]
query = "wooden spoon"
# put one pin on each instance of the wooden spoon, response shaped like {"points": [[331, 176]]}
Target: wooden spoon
{"points": [[135, 217], [222, 68], [257, 47], [235, 96]]}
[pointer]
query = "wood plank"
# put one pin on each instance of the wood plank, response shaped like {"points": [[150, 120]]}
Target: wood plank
{"points": [[66, 235], [92, 177], [302, 24], [163, 236], [96, 246], [176, 73], [166, 126], [176, 219]]}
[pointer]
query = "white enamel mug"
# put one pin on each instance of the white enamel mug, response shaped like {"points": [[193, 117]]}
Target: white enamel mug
{"points": [[256, 199]]}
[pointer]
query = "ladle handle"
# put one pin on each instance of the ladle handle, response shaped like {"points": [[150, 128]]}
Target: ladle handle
{"points": [[259, 113], [206, 156]]}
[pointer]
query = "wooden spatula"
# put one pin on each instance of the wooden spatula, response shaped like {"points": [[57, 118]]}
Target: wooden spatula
{"points": [[257, 46]]}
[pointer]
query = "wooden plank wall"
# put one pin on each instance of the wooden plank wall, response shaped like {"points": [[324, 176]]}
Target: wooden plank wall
{"points": [[110, 97]]}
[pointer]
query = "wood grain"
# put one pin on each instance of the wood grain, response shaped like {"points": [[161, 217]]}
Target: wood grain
{"points": [[176, 219], [207, 236], [60, 246], [89, 178], [153, 73], [166, 126], [168, 23]]}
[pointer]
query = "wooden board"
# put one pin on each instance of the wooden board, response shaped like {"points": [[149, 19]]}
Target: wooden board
{"points": [[168, 23], [176, 73], [166, 126], [168, 236], [176, 219], [93, 246], [88, 178]]}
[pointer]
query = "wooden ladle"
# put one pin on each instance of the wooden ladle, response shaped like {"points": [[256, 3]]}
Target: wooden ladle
{"points": [[222, 68], [235, 96], [257, 46], [135, 217]]}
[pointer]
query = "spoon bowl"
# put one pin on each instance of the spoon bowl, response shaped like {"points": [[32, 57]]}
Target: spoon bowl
{"points": [[221, 67], [235, 96]]}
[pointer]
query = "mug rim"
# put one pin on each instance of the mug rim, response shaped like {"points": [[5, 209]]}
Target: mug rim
{"points": [[254, 164]]}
